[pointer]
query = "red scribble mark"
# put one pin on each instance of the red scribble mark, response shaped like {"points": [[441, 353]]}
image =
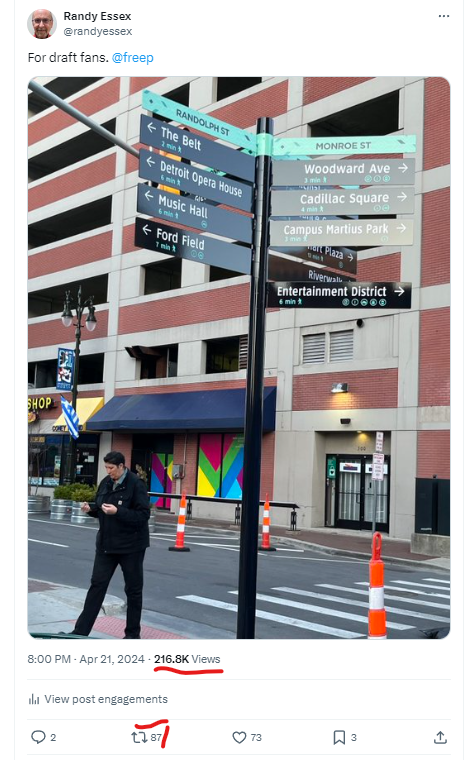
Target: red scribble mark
{"points": [[187, 672], [152, 725], [157, 723], [166, 734]]}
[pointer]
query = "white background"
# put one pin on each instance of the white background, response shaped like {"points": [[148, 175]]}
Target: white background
{"points": [[247, 38]]}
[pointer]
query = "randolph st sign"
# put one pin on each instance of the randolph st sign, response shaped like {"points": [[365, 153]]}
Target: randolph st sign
{"points": [[367, 232], [353, 295], [384, 171], [190, 245], [366, 201]]}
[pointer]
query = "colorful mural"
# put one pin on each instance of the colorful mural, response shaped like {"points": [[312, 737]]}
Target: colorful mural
{"points": [[220, 466], [161, 478]]}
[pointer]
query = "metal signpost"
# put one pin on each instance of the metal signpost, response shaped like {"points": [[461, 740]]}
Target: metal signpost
{"points": [[377, 473], [318, 241]]}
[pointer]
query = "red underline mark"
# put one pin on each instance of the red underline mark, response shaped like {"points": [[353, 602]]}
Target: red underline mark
{"points": [[187, 672], [152, 725]]}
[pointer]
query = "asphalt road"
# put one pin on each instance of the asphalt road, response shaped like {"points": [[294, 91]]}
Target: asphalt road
{"points": [[301, 593]]}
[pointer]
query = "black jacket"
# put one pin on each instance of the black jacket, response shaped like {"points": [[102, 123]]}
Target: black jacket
{"points": [[127, 530]]}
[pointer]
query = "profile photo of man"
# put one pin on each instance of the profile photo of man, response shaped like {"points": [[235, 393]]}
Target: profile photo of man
{"points": [[42, 21]]}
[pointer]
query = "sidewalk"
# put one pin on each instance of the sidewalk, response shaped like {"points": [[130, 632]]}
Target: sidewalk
{"points": [[349, 543], [54, 608]]}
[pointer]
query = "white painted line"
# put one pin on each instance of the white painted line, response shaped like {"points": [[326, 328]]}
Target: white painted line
{"points": [[207, 538], [420, 585], [356, 603], [300, 551], [337, 632], [408, 590], [324, 611], [436, 580], [49, 543], [386, 596], [65, 524]]}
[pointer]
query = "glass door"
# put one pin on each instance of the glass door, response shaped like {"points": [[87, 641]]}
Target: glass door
{"points": [[355, 494]]}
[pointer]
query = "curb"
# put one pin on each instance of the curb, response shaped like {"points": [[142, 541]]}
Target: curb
{"points": [[329, 549]]}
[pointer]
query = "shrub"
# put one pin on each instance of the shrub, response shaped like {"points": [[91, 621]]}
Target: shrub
{"points": [[76, 492]]}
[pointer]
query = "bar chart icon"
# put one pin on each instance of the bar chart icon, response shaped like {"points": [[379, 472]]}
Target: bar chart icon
{"points": [[34, 700]]}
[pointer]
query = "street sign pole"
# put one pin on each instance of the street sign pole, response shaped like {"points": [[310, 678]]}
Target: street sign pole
{"points": [[254, 390]]}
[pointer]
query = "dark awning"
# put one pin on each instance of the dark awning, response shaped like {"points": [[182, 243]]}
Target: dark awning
{"points": [[195, 410]]}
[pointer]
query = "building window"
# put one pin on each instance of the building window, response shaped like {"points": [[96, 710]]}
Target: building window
{"points": [[43, 374], [80, 219], [156, 362], [341, 346], [313, 349], [379, 116], [179, 95], [163, 275], [47, 459], [227, 86], [227, 354]]}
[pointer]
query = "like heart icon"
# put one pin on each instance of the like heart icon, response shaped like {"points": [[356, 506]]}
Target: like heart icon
{"points": [[239, 736]]}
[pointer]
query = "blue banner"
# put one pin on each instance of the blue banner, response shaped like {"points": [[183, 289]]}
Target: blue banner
{"points": [[65, 369]]}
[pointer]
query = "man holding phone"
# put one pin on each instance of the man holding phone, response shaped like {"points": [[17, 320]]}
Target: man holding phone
{"points": [[122, 509]]}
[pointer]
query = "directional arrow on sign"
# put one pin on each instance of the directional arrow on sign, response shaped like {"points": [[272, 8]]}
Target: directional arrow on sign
{"points": [[350, 171], [365, 232], [347, 295], [323, 200], [193, 213], [185, 244]]}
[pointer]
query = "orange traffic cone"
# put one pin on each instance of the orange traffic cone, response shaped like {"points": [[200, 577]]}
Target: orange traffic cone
{"points": [[265, 543], [376, 613], [181, 525]]}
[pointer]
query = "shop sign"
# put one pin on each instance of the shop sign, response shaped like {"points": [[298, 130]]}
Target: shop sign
{"points": [[350, 466], [40, 403]]}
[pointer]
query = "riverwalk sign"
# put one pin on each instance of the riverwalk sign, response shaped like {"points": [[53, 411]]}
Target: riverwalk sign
{"points": [[192, 213], [354, 295], [368, 232], [361, 171], [289, 269], [366, 201], [192, 246]]}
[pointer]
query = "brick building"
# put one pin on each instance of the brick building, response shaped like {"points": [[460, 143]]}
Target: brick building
{"points": [[167, 326]]}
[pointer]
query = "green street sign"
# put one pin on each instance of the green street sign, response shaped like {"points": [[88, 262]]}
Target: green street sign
{"points": [[200, 121], [325, 146]]}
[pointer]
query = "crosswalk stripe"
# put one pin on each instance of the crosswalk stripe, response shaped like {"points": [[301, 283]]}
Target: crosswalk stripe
{"points": [[437, 580], [421, 585], [356, 603], [420, 602], [407, 590], [324, 611], [337, 632]]}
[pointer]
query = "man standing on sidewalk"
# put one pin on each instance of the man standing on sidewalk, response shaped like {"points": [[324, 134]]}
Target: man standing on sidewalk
{"points": [[122, 509]]}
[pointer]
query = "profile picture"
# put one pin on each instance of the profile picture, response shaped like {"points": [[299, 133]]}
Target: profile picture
{"points": [[41, 24]]}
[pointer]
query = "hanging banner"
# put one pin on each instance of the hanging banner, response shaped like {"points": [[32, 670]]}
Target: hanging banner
{"points": [[65, 369]]}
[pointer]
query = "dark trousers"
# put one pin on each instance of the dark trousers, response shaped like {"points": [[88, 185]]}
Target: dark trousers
{"points": [[104, 568]]}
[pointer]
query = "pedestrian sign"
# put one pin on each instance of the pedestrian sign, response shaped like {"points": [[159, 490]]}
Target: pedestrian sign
{"points": [[331, 467]]}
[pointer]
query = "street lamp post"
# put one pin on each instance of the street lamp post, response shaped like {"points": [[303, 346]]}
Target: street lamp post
{"points": [[67, 319]]}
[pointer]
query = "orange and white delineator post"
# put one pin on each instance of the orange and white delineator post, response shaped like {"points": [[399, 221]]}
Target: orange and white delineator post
{"points": [[265, 542], [376, 613], [181, 525]]}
